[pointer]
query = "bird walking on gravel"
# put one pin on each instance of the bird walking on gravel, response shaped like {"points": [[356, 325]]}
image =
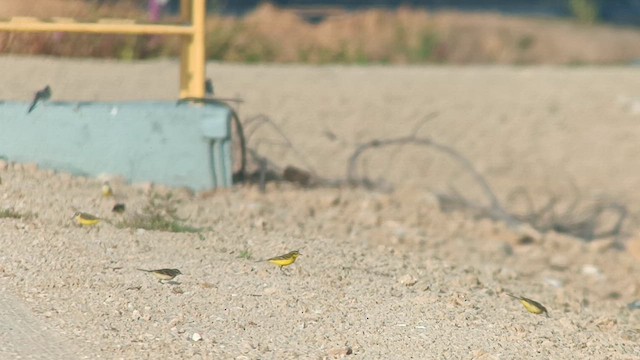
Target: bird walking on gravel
{"points": [[284, 260], [42, 95], [84, 219], [164, 274], [531, 306]]}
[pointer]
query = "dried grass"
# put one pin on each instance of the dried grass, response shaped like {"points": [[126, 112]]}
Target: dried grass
{"points": [[406, 35]]}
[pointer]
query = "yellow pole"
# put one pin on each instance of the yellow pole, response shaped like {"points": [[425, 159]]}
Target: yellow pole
{"points": [[185, 16], [113, 27], [193, 57], [192, 54]]}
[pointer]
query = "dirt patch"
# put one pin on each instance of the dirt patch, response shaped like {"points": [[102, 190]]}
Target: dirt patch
{"points": [[382, 275]]}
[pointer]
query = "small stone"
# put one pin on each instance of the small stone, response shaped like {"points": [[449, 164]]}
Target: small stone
{"points": [[296, 175], [592, 270], [526, 234], [207, 285], [507, 249], [407, 280], [260, 223], [507, 273], [330, 201], [635, 305], [196, 337], [339, 353], [269, 291], [177, 290], [553, 282]]}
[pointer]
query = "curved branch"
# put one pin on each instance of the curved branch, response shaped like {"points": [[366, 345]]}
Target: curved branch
{"points": [[495, 206]]}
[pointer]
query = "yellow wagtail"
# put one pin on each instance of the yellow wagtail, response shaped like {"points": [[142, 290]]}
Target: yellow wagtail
{"points": [[164, 274], [107, 191], [84, 219], [284, 260], [532, 306]]}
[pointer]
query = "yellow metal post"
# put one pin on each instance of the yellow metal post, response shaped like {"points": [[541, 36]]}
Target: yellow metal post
{"points": [[192, 30], [192, 64], [113, 26]]}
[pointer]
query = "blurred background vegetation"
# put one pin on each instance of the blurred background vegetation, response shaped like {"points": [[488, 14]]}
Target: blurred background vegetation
{"points": [[489, 32]]}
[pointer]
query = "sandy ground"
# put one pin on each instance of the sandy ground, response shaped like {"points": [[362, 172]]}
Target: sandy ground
{"points": [[386, 275]]}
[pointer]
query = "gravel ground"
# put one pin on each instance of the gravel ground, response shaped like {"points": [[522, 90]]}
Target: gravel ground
{"points": [[382, 275]]}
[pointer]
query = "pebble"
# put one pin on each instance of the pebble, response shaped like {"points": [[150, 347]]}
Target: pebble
{"points": [[260, 223], [553, 282], [177, 290], [339, 353], [270, 291], [526, 234], [634, 305], [330, 201], [196, 337], [407, 280], [592, 270]]}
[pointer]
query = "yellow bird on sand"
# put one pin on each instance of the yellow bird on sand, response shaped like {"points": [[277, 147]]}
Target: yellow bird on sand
{"points": [[84, 219], [531, 306], [284, 260]]}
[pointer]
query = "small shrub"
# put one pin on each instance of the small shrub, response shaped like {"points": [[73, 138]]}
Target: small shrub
{"points": [[586, 11], [10, 214], [160, 213]]}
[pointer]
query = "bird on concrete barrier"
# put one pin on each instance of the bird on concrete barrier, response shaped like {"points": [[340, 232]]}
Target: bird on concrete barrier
{"points": [[42, 95], [208, 87]]}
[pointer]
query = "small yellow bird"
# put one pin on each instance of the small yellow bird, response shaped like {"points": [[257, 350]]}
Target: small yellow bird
{"points": [[284, 260], [107, 191], [84, 219], [532, 306], [164, 274]]}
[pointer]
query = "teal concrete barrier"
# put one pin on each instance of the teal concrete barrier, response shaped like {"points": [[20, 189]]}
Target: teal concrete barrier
{"points": [[176, 145]]}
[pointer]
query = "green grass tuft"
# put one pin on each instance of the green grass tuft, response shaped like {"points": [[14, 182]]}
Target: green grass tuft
{"points": [[245, 254], [161, 214], [12, 214]]}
